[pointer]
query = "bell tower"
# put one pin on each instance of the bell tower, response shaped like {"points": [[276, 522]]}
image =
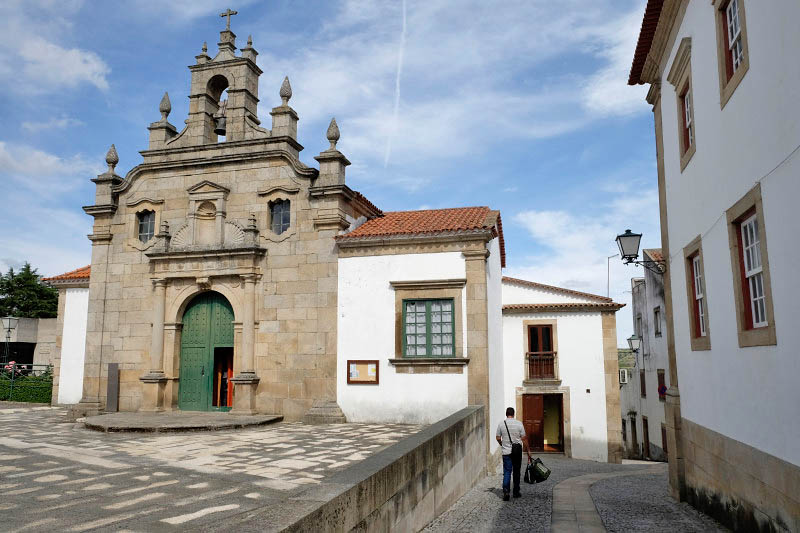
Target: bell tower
{"points": [[208, 115]]}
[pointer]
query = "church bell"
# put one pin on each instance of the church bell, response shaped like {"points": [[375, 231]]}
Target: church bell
{"points": [[219, 118], [219, 125]]}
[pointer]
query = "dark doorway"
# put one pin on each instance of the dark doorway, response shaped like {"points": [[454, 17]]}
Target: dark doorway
{"points": [[645, 438], [223, 372], [543, 418], [634, 439]]}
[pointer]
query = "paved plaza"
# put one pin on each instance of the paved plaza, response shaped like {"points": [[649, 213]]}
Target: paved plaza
{"points": [[60, 476]]}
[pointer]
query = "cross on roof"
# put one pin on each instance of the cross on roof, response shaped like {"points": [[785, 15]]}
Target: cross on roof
{"points": [[228, 14]]}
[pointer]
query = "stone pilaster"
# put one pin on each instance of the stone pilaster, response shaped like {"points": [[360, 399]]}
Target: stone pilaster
{"points": [[611, 371], [155, 381], [477, 331], [246, 380]]}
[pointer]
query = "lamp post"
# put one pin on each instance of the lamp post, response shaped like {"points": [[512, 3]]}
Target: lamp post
{"points": [[9, 323], [608, 274], [628, 244], [634, 342]]}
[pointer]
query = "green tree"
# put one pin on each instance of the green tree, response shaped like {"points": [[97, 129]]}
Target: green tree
{"points": [[23, 295]]}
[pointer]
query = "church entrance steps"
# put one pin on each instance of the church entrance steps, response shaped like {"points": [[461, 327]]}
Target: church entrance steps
{"points": [[175, 421]]}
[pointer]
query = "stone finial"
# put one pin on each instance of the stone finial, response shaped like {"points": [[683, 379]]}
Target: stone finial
{"points": [[205, 47], [249, 41], [251, 221], [286, 91], [164, 228], [333, 133], [112, 158], [165, 107]]}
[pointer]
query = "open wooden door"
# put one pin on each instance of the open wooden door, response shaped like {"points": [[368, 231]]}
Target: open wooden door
{"points": [[533, 420]]}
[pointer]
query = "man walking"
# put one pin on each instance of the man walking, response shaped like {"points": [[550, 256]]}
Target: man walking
{"points": [[511, 438]]}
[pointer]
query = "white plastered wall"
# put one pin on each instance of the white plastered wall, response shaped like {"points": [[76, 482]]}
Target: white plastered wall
{"points": [[366, 330], [73, 346], [753, 136], [580, 363], [494, 303]]}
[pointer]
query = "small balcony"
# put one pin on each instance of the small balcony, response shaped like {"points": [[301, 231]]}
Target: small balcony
{"points": [[541, 366]]}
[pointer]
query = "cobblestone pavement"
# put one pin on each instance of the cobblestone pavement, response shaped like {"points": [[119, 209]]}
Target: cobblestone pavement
{"points": [[60, 476], [483, 509], [643, 503]]}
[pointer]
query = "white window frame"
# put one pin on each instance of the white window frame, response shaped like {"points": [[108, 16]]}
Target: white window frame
{"points": [[699, 295], [753, 270], [735, 46], [148, 225], [688, 116]]}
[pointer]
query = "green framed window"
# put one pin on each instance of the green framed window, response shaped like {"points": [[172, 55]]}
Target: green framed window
{"points": [[428, 328]]}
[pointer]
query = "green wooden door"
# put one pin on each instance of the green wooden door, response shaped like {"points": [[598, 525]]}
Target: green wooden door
{"points": [[207, 324]]}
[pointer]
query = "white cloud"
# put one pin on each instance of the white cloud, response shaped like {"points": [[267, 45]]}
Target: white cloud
{"points": [[42, 172], [472, 76], [574, 248], [605, 92], [187, 10], [52, 124], [30, 63]]}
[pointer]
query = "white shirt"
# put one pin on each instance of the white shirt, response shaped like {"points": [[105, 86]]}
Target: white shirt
{"points": [[517, 431]]}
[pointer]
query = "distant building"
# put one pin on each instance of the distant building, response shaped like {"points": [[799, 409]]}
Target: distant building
{"points": [[723, 86], [70, 334], [644, 394]]}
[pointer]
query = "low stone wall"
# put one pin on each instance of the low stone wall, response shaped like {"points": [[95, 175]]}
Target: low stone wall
{"points": [[403, 487], [742, 487]]}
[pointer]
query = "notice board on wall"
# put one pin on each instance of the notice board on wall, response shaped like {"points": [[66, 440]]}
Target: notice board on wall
{"points": [[362, 372]]}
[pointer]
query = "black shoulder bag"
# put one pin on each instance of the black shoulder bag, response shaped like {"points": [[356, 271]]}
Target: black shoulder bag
{"points": [[516, 447]]}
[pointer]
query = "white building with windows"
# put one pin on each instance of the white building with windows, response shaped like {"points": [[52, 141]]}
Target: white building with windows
{"points": [[643, 395], [724, 92]]}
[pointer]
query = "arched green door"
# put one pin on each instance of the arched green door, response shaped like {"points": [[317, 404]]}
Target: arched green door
{"points": [[207, 326]]}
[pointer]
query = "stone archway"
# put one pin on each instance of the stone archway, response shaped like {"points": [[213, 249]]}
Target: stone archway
{"points": [[206, 354]]}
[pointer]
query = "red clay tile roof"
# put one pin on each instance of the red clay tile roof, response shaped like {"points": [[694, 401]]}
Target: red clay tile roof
{"points": [[654, 253], [557, 307], [73, 275], [649, 23], [555, 289], [429, 221]]}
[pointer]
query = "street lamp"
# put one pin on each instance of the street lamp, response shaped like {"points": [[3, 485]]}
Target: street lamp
{"points": [[634, 342], [628, 244], [9, 323]]}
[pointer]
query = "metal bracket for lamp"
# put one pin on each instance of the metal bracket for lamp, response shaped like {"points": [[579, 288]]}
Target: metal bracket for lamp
{"points": [[657, 267]]}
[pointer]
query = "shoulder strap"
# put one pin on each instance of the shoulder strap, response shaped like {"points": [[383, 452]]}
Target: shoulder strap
{"points": [[509, 433]]}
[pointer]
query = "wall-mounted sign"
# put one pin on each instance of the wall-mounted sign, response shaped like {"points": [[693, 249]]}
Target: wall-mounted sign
{"points": [[362, 372]]}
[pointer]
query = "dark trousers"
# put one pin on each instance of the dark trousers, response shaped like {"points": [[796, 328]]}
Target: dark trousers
{"points": [[511, 467]]}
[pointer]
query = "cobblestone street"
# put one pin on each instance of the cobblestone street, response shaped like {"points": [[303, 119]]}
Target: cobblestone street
{"points": [[57, 476], [627, 497]]}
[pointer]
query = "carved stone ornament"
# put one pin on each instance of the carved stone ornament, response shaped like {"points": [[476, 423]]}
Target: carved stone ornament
{"points": [[112, 158], [286, 91], [333, 133], [165, 107]]}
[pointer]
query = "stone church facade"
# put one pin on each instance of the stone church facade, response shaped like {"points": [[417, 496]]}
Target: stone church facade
{"points": [[196, 216]]}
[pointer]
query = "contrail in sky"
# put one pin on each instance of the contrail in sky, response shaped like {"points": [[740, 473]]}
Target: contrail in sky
{"points": [[388, 152]]}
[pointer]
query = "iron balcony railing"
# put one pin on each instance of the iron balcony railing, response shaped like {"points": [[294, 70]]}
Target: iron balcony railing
{"points": [[541, 365]]}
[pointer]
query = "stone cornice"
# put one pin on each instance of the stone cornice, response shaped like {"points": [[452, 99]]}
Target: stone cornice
{"points": [[561, 307], [349, 194], [99, 210], [666, 21], [204, 253], [215, 64], [429, 284], [287, 190], [134, 203], [236, 157], [460, 236]]}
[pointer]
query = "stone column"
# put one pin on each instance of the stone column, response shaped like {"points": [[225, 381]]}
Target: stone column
{"points": [[154, 382], [477, 324], [246, 380]]}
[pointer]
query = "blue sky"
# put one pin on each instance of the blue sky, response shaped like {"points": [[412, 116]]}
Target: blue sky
{"points": [[519, 105]]}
